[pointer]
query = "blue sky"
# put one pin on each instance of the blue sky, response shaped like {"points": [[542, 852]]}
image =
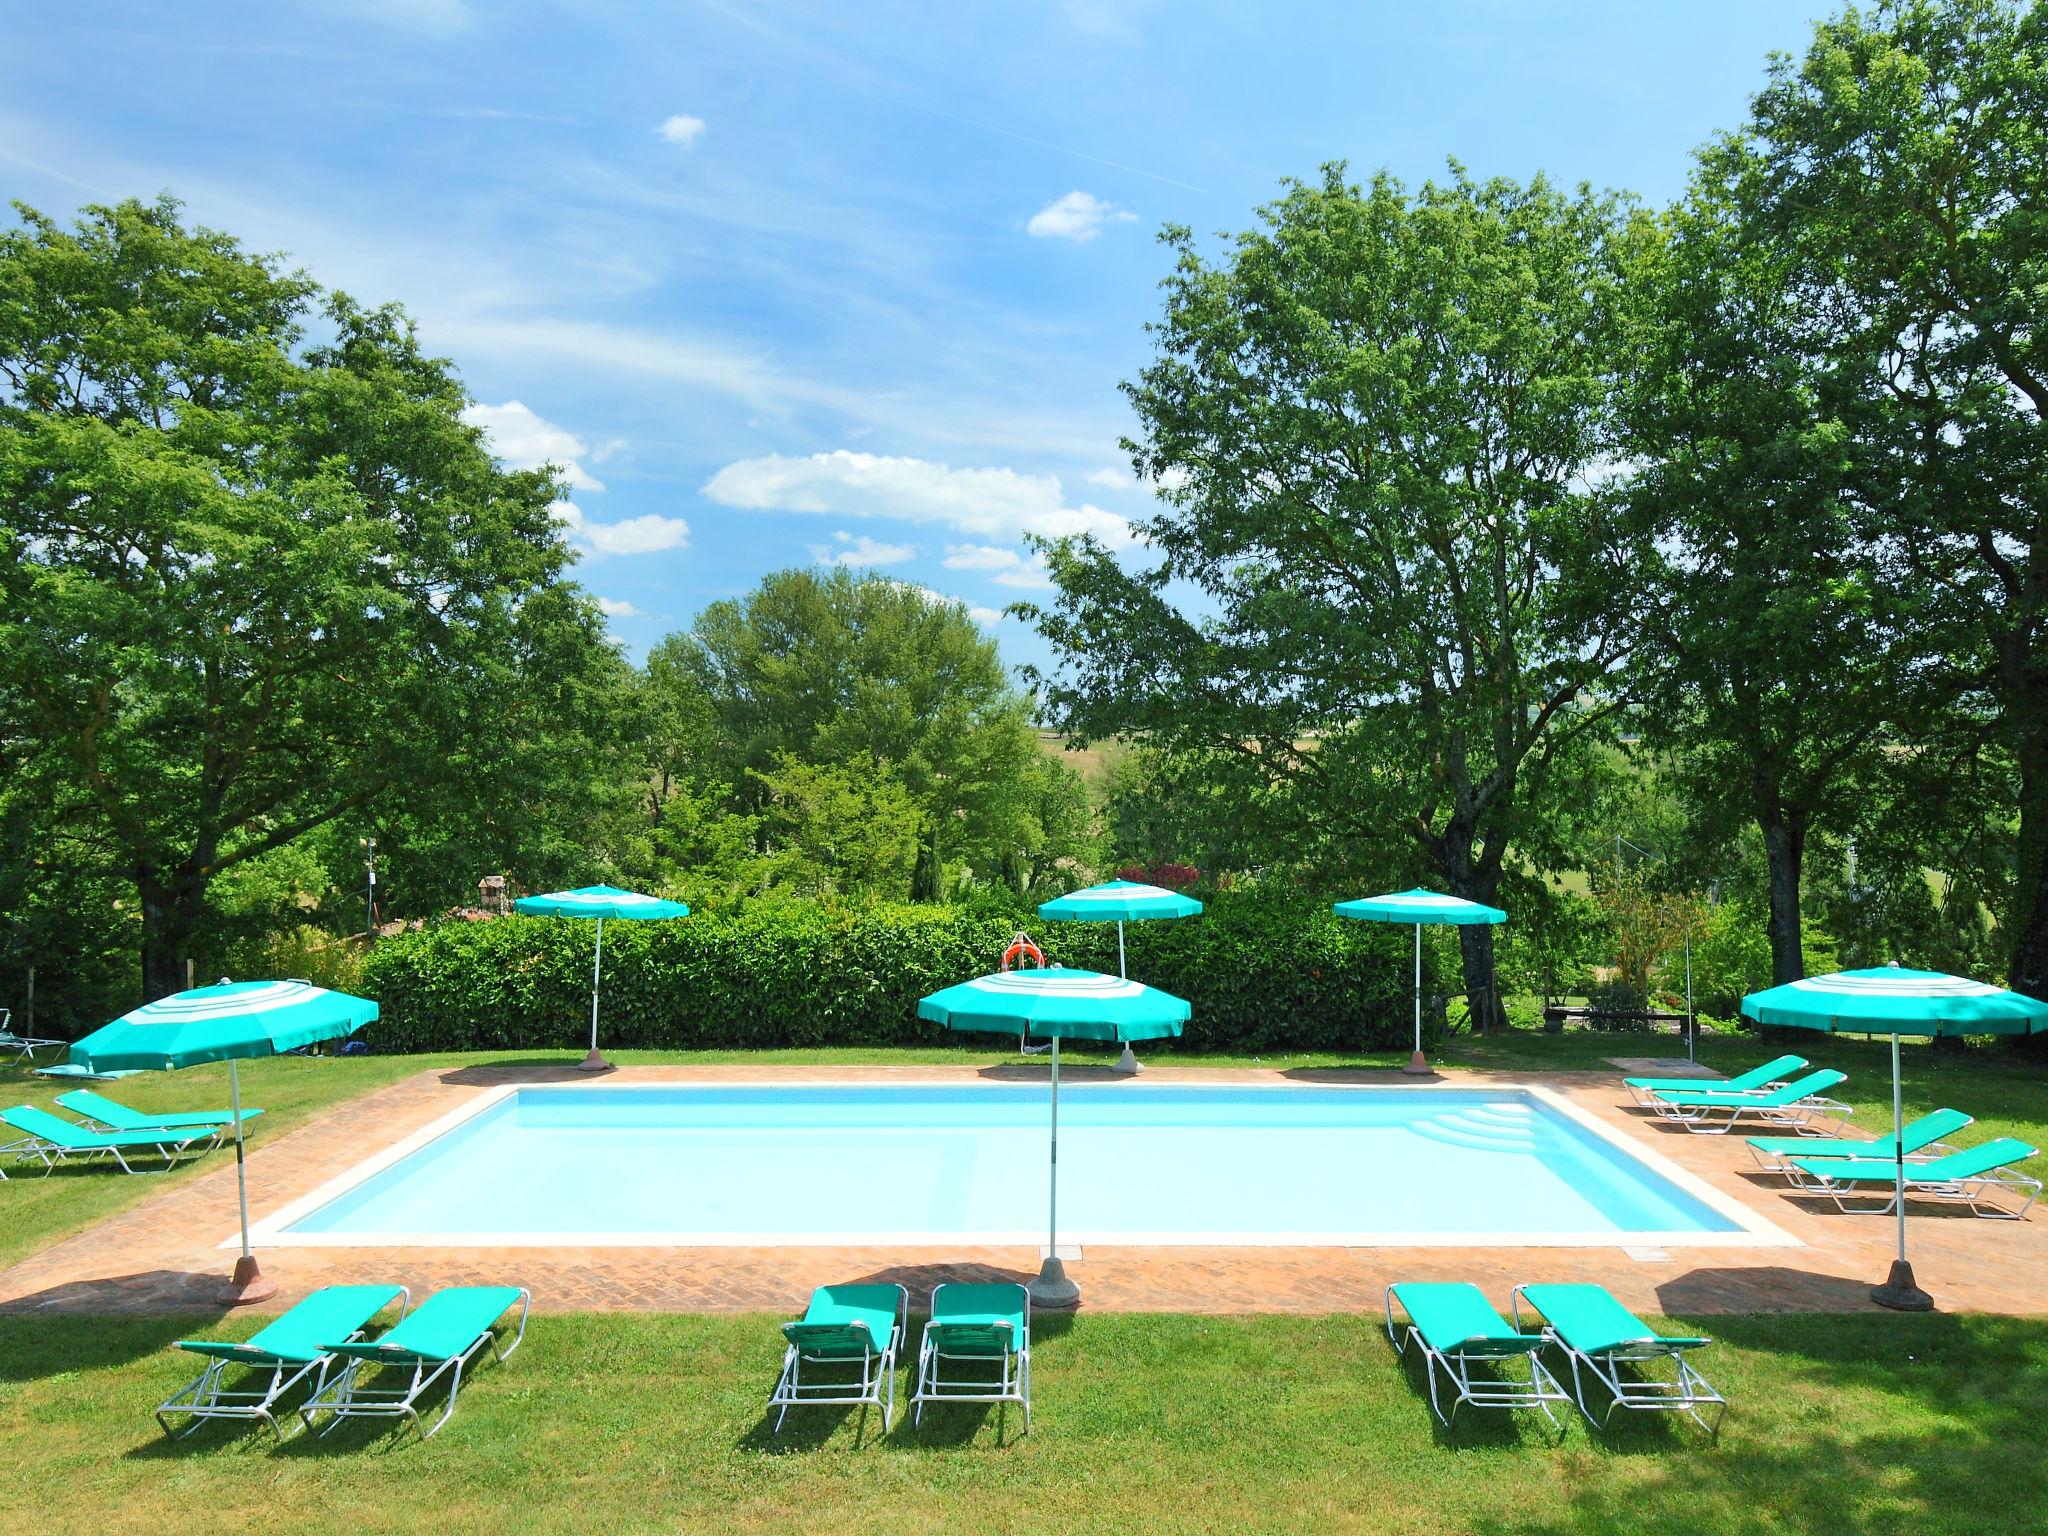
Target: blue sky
{"points": [[785, 283]]}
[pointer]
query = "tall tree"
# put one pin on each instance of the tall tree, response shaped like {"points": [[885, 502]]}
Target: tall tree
{"points": [[846, 670], [1905, 163], [1769, 663], [253, 585], [1374, 422]]}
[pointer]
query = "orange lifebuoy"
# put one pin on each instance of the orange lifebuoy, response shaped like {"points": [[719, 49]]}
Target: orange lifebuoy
{"points": [[1021, 946]]}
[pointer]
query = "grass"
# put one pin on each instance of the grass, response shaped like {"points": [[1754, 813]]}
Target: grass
{"points": [[639, 1422], [628, 1422], [2007, 1093]]}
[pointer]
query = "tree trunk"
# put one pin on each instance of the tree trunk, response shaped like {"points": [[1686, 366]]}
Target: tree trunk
{"points": [[1784, 853], [1474, 880], [172, 911], [2029, 973]]}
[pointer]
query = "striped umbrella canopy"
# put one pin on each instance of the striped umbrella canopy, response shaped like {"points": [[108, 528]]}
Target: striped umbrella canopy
{"points": [[599, 902], [1119, 902], [1064, 1004], [1896, 1000], [1418, 907], [229, 1022]]}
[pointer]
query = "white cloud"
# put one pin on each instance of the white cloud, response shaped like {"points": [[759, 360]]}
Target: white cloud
{"points": [[848, 550], [981, 615], [1109, 477], [1005, 567], [646, 535], [619, 608], [682, 129], [1077, 216], [526, 440], [987, 503]]}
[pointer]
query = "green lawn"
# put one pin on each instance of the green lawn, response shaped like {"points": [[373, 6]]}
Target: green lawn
{"points": [[637, 1422], [632, 1422]]}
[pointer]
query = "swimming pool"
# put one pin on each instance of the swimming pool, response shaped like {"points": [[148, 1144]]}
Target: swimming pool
{"points": [[937, 1165]]}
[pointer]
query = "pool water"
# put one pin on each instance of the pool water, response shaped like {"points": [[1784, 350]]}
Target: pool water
{"points": [[1153, 1163]]}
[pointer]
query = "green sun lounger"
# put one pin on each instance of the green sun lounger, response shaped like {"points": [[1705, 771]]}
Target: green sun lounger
{"points": [[277, 1358], [846, 1329], [986, 1327], [1599, 1336], [1456, 1329], [1921, 1137], [71, 1072], [1792, 1106], [440, 1338], [119, 1117], [1976, 1177], [24, 1047], [52, 1140], [1755, 1080]]}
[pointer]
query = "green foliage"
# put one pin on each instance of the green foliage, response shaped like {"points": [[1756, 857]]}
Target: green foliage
{"points": [[1262, 971], [253, 586], [1374, 422], [833, 830]]}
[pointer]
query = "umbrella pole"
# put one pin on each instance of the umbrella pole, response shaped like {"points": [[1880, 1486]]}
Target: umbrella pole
{"points": [[594, 1062], [1418, 1064], [249, 1283], [1052, 1288], [1900, 1291], [1128, 1062]]}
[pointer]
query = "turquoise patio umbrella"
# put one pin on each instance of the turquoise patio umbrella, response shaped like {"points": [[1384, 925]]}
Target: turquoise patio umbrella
{"points": [[1419, 907], [1064, 1004], [1894, 1000], [228, 1022], [600, 902], [1119, 902]]}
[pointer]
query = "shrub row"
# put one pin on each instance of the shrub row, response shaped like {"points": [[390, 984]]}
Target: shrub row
{"points": [[1262, 974]]}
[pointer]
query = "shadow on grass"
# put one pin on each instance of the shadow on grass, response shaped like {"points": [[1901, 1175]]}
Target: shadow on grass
{"points": [[1474, 1428], [100, 1335]]}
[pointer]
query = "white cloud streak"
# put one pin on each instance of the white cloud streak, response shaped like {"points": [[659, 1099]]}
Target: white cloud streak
{"points": [[984, 503], [682, 129], [649, 534], [863, 551], [526, 440]]}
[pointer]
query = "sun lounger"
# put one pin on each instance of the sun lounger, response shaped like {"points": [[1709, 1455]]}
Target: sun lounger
{"points": [[52, 1140], [1456, 1329], [447, 1331], [1756, 1080], [70, 1071], [24, 1047], [277, 1358], [846, 1328], [119, 1117], [989, 1325], [1599, 1336], [1793, 1106], [1976, 1176], [1922, 1138]]}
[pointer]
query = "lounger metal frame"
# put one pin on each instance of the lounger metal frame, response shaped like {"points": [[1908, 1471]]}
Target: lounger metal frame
{"points": [[1012, 1386], [1781, 1162], [347, 1397], [1976, 1192], [1688, 1394], [35, 1148], [208, 1398], [23, 1046], [1797, 1116], [1646, 1098], [1538, 1392], [876, 1383]]}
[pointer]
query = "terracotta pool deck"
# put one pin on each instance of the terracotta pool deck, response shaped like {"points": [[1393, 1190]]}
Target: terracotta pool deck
{"points": [[164, 1254]]}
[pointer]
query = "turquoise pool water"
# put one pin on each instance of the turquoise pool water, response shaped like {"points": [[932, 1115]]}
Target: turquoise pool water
{"points": [[1144, 1163]]}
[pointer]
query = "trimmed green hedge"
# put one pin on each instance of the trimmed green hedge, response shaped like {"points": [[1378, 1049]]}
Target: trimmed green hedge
{"points": [[1262, 974]]}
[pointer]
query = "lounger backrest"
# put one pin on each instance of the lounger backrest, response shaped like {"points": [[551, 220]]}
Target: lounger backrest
{"points": [[445, 1325], [1805, 1087], [980, 1318], [85, 1102], [1931, 1127], [302, 1334], [1769, 1072], [1971, 1161], [40, 1122], [1455, 1317]]}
